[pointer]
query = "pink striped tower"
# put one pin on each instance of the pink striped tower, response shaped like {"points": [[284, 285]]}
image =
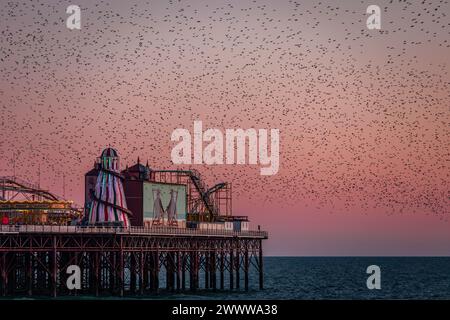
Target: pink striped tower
{"points": [[109, 207]]}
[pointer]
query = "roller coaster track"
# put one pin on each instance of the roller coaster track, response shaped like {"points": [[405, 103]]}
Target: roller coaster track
{"points": [[201, 188], [11, 187]]}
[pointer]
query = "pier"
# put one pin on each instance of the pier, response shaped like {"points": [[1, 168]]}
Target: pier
{"points": [[132, 261], [141, 232]]}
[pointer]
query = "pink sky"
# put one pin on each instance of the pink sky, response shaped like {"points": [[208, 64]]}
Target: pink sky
{"points": [[363, 115]]}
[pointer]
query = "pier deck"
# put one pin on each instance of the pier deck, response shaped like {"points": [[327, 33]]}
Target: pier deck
{"points": [[114, 261]]}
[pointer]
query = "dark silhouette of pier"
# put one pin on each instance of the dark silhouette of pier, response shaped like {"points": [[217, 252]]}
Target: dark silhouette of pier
{"points": [[126, 261]]}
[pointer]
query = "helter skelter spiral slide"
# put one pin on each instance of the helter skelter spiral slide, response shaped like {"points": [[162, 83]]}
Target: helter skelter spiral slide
{"points": [[109, 206]]}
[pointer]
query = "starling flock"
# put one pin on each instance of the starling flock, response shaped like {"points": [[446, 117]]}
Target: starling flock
{"points": [[364, 115]]}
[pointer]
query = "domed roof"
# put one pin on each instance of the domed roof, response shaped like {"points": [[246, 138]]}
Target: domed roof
{"points": [[109, 153]]}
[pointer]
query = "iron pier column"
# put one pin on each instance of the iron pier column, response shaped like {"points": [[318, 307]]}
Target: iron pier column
{"points": [[261, 269]]}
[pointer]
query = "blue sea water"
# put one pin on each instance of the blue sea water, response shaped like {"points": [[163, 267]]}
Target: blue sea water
{"points": [[309, 278], [345, 278]]}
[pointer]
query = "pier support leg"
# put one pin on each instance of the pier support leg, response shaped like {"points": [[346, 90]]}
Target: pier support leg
{"points": [[170, 271], [54, 267], [178, 266], [183, 271], [207, 268], [133, 263], [121, 271], [152, 271], [194, 270], [191, 271], [3, 273], [146, 272], [112, 271], [156, 271], [91, 272], [238, 266], [12, 273], [231, 269], [222, 269], [212, 275], [97, 273], [75, 260], [261, 269], [246, 269], [115, 281], [197, 270], [29, 262], [141, 272]]}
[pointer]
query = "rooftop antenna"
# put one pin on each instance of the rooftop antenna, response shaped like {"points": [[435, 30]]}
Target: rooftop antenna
{"points": [[14, 165], [64, 185]]}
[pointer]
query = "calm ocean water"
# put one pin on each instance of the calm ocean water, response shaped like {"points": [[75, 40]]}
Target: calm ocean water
{"points": [[337, 278], [345, 278]]}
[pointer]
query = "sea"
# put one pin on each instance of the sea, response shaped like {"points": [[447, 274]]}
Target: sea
{"points": [[312, 278]]}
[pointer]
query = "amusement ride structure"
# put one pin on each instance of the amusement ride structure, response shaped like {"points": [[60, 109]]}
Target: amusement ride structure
{"points": [[24, 203], [109, 206], [114, 240]]}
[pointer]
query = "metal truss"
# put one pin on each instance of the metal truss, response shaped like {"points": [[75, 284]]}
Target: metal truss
{"points": [[123, 264]]}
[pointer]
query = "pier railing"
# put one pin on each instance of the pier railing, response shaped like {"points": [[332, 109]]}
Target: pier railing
{"points": [[156, 231]]}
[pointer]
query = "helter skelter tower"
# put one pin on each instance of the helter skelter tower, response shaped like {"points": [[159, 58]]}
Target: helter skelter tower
{"points": [[109, 206]]}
